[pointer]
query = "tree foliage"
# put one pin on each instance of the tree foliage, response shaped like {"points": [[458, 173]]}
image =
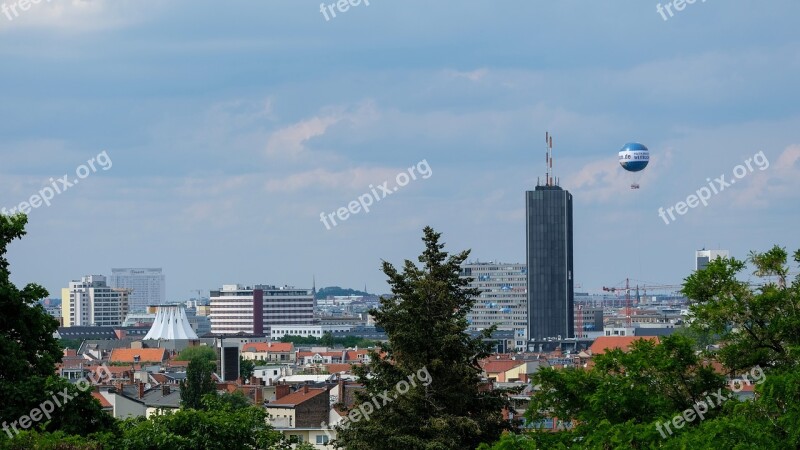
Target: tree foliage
{"points": [[29, 353], [200, 352], [758, 326], [425, 321], [619, 402], [189, 429], [198, 383], [246, 368]]}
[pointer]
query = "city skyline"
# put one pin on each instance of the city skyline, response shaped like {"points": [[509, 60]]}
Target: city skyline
{"points": [[226, 146]]}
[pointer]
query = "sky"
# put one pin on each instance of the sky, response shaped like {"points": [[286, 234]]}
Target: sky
{"points": [[219, 132]]}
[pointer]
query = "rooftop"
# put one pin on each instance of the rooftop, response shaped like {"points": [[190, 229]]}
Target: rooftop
{"points": [[604, 343], [296, 398], [143, 354]]}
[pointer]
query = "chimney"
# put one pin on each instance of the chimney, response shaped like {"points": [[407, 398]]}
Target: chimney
{"points": [[119, 387], [255, 381], [341, 390], [305, 389], [259, 395], [141, 389], [281, 390], [165, 390]]}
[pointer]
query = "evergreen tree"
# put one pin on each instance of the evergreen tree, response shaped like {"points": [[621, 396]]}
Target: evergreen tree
{"points": [[427, 382], [198, 383]]}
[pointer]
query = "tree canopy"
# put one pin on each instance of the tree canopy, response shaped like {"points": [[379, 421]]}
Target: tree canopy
{"points": [[427, 380], [29, 353], [625, 399]]}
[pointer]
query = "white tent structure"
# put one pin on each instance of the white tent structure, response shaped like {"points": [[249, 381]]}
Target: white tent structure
{"points": [[171, 323]]}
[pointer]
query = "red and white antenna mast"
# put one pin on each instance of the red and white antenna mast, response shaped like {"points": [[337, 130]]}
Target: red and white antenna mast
{"points": [[548, 140]]}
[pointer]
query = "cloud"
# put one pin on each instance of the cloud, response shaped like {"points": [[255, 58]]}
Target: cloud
{"points": [[778, 180], [475, 75], [74, 15], [349, 179], [290, 142]]}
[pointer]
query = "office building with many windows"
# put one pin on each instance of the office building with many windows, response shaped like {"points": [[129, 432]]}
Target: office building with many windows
{"points": [[503, 300], [549, 257], [253, 310], [703, 257], [147, 286], [91, 302]]}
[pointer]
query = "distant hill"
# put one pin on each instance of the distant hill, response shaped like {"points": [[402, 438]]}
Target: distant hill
{"points": [[339, 291]]}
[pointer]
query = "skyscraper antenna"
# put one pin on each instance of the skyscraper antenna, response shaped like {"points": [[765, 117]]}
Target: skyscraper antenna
{"points": [[549, 176]]}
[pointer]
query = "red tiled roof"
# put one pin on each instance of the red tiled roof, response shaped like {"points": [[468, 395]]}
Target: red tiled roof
{"points": [[499, 366], [298, 397], [103, 402], [355, 355], [174, 363], [160, 378], [336, 368], [145, 354], [261, 347], [118, 370], [603, 343]]}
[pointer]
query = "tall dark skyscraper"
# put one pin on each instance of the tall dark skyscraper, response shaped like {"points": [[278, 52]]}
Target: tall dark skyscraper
{"points": [[549, 257]]}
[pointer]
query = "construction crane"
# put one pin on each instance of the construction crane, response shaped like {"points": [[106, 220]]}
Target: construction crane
{"points": [[627, 290], [644, 288]]}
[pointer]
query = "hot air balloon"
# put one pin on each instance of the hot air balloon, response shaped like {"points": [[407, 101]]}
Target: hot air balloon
{"points": [[633, 157]]}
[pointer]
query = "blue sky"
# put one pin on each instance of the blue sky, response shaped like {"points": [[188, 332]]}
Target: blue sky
{"points": [[233, 125]]}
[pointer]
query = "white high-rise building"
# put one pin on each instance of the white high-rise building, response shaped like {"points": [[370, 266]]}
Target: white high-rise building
{"points": [[703, 257], [253, 310], [148, 286], [91, 302], [503, 300]]}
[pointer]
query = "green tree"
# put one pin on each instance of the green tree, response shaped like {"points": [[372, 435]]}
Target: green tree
{"points": [[29, 353], [200, 352], [327, 339], [246, 368], [426, 324], [198, 383], [619, 402], [191, 429], [227, 401], [757, 326], [624, 394], [73, 344]]}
